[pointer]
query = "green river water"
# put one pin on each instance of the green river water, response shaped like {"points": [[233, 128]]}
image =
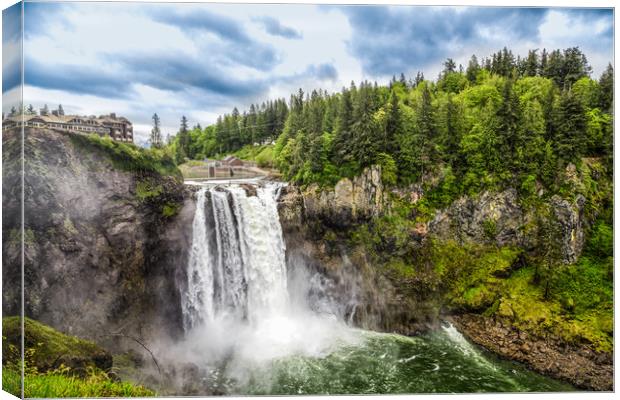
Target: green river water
{"points": [[438, 362]]}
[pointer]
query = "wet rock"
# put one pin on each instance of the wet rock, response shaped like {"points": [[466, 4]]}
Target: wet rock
{"points": [[570, 218], [579, 366]]}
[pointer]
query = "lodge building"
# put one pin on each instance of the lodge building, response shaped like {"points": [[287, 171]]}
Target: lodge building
{"points": [[118, 128]]}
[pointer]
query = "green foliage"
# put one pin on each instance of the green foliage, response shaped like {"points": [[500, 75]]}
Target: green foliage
{"points": [[470, 272], [46, 375], [388, 169], [147, 189], [505, 122], [489, 227], [43, 345], [55, 385], [170, 209], [262, 155], [129, 157]]}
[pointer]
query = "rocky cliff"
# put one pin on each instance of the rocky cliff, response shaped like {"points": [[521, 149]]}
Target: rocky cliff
{"points": [[316, 223], [479, 254], [104, 244], [490, 217]]}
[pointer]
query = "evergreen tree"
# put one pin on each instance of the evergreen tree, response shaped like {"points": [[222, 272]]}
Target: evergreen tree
{"points": [[449, 66], [341, 146], [182, 150], [155, 138], [392, 125], [571, 127], [61, 111], [403, 80], [575, 66], [45, 110], [531, 63], [419, 78], [606, 83], [472, 69], [509, 119], [452, 137], [424, 140], [544, 63], [31, 110], [365, 144]]}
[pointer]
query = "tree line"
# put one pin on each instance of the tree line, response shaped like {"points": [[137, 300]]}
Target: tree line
{"points": [[261, 124], [503, 120]]}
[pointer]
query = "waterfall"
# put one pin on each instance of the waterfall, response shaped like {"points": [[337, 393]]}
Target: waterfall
{"points": [[237, 263]]}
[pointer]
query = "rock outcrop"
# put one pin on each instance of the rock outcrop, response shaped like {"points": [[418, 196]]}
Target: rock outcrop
{"points": [[104, 247], [367, 297], [316, 224], [499, 218], [580, 366], [570, 218], [493, 217], [349, 202]]}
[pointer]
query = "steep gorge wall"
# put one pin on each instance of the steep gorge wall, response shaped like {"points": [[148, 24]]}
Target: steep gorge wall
{"points": [[318, 225], [101, 254]]}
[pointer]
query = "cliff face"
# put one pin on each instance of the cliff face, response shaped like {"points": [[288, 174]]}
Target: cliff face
{"points": [[103, 247], [500, 219], [315, 226], [408, 268]]}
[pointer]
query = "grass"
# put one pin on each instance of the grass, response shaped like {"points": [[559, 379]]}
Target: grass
{"points": [[45, 345], [577, 307], [54, 385], [262, 155], [57, 365]]}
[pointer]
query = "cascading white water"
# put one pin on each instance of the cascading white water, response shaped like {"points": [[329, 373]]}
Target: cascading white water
{"points": [[237, 264], [198, 298]]}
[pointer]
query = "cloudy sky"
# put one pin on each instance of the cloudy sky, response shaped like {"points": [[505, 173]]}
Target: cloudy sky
{"points": [[200, 60]]}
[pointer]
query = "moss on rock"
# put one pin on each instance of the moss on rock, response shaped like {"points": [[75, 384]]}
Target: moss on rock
{"points": [[47, 349]]}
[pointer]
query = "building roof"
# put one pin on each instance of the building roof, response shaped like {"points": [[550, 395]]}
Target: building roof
{"points": [[64, 119]]}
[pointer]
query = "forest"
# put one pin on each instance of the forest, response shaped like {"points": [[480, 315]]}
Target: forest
{"points": [[503, 120]]}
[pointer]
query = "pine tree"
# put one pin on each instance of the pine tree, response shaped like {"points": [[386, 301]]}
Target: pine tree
{"points": [[531, 63], [341, 146], [425, 138], [544, 64], [570, 138], [392, 125], [155, 138], [403, 80], [509, 118], [606, 83], [182, 150], [575, 66], [419, 78], [472, 69], [452, 137], [61, 111], [365, 143], [31, 110], [45, 110]]}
